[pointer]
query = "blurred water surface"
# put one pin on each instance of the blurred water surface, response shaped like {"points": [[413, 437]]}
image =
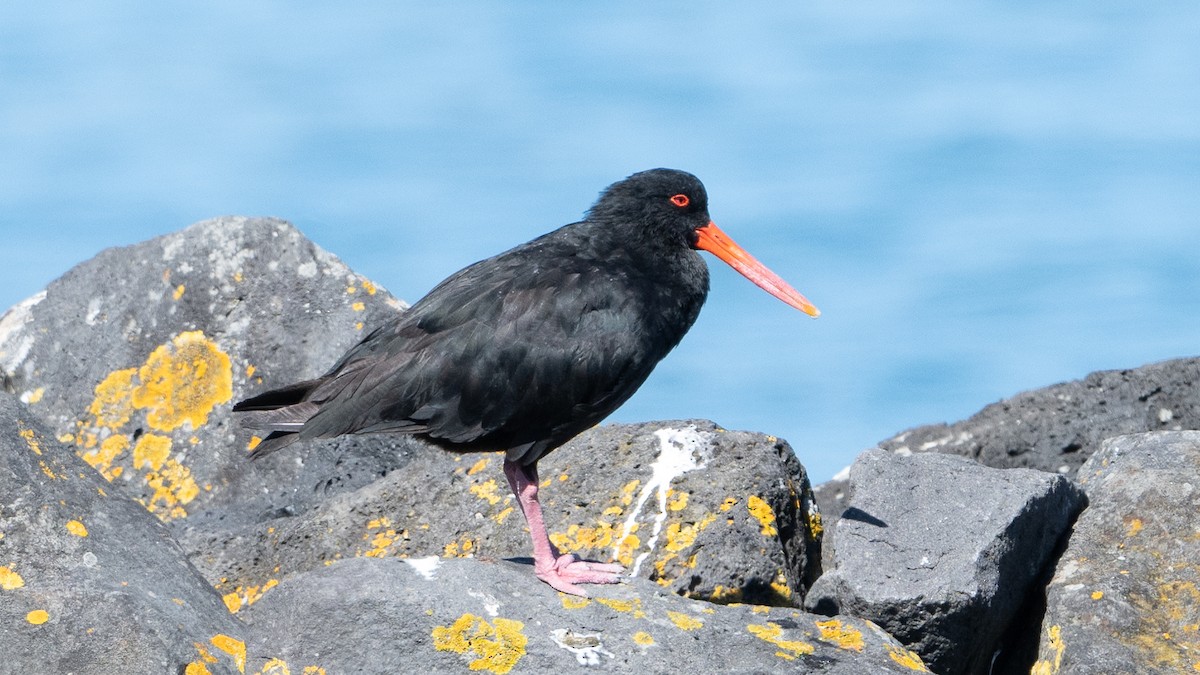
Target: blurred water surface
{"points": [[981, 197]]}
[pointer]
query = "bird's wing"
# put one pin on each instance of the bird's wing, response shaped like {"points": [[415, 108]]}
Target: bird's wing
{"points": [[499, 352]]}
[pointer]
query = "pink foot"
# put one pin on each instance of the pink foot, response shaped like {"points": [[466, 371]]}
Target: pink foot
{"points": [[562, 572], [567, 570]]}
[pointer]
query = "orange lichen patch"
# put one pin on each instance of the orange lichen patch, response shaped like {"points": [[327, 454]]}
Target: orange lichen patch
{"points": [[724, 594], [781, 587], [907, 658], [487, 491], [151, 451], [9, 579], [574, 602], [382, 536], [369, 287], [196, 668], [679, 503], [685, 622], [1133, 526], [835, 632], [462, 548], [815, 526], [77, 528], [496, 647], [763, 513], [250, 370], [773, 633], [579, 537], [275, 667], [102, 458], [504, 513], [38, 617], [31, 439], [643, 638], [178, 291], [1097, 595], [729, 503], [233, 647], [173, 487], [358, 306], [634, 606], [182, 381], [479, 466], [254, 441], [113, 402], [247, 595], [35, 395], [628, 490]]}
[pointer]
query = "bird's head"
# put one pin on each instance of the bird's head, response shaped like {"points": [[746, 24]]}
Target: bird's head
{"points": [[669, 208]]}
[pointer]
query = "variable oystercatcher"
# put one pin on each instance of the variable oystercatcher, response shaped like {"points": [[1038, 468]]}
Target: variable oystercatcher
{"points": [[522, 351]]}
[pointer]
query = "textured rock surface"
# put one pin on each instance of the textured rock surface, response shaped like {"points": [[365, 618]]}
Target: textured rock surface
{"points": [[89, 581], [941, 551], [1125, 597], [711, 513], [134, 356], [485, 616], [1057, 428]]}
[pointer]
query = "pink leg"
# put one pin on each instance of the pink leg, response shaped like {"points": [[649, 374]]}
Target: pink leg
{"points": [[560, 571]]}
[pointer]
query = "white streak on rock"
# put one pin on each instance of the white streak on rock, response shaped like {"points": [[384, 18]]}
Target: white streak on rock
{"points": [[677, 455], [426, 567], [490, 604], [587, 648]]}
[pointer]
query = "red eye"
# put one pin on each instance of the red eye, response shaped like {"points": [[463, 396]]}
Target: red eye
{"points": [[680, 200]]}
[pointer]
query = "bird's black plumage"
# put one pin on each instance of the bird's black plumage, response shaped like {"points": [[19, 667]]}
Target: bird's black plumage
{"points": [[524, 350]]}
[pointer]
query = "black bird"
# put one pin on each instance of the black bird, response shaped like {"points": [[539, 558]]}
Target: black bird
{"points": [[524, 350]]}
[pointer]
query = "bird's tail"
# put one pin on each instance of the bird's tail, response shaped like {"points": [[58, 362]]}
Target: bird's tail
{"points": [[283, 412]]}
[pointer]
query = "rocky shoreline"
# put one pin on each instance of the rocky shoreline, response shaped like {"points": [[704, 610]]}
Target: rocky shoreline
{"points": [[1053, 532]]}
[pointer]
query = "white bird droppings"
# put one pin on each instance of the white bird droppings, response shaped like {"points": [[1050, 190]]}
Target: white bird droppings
{"points": [[426, 567], [677, 453]]}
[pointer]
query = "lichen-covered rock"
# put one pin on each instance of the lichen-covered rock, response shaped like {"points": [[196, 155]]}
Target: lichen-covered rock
{"points": [[1125, 597], [940, 551], [89, 581], [1057, 428], [705, 512], [455, 615], [134, 357]]}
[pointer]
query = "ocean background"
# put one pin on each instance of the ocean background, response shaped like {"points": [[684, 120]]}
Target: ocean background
{"points": [[982, 197]]}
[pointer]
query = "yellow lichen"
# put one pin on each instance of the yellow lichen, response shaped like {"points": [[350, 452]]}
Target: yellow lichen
{"points": [[368, 287], [643, 638], [244, 596], [358, 306], [233, 647], [763, 513], [113, 402], [182, 381], [772, 633], [151, 451], [907, 658], [574, 602], [835, 632], [478, 466], [38, 617], [35, 395], [9, 579], [685, 622], [729, 503], [815, 526], [30, 438], [173, 487], [103, 457], [196, 668], [178, 291], [77, 528], [679, 503], [496, 647], [486, 491]]}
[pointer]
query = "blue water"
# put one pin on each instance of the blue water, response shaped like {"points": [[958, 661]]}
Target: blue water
{"points": [[981, 197]]}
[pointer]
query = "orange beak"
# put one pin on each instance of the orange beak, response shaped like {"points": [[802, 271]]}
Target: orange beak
{"points": [[710, 238]]}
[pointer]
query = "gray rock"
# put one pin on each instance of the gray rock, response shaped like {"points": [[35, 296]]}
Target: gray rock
{"points": [[1125, 597], [134, 357], [941, 551], [385, 616], [89, 581], [1057, 428], [705, 512]]}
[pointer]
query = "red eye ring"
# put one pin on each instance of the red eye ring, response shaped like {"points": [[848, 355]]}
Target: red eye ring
{"points": [[680, 200]]}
